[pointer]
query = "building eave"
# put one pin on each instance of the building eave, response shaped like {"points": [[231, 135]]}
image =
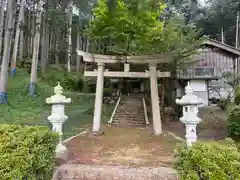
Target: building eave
{"points": [[222, 46]]}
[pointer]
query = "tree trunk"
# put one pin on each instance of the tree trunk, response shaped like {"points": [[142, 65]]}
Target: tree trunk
{"points": [[222, 34], [29, 36], [236, 59], [47, 41], [78, 62], [237, 29], [11, 36], [34, 67], [33, 29], [51, 42], [5, 61], [57, 51], [44, 43], [1, 26], [21, 43], [162, 96], [70, 35], [17, 35]]}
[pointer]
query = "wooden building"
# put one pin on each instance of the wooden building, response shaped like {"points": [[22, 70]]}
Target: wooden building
{"points": [[205, 74]]}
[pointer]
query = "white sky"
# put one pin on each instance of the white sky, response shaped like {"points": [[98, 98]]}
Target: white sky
{"points": [[202, 2]]}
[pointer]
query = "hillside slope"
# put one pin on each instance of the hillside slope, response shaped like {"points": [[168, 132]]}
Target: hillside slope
{"points": [[23, 109]]}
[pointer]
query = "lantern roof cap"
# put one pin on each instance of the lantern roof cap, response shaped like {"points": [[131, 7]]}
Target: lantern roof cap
{"points": [[189, 98]]}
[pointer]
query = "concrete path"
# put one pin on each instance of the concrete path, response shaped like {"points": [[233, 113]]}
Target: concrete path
{"points": [[95, 172]]}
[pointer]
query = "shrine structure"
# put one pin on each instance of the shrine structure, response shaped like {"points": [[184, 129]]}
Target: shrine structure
{"points": [[152, 73]]}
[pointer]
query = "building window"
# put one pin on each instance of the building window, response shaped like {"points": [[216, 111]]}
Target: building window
{"points": [[187, 72], [204, 71]]}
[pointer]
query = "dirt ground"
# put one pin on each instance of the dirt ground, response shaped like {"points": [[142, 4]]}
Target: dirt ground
{"points": [[212, 127], [120, 146], [123, 153], [137, 147]]}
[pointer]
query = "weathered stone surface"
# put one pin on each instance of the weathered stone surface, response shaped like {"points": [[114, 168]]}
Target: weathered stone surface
{"points": [[190, 103], [87, 172], [130, 113], [61, 152]]}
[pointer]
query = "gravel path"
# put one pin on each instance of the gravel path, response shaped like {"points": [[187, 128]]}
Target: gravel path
{"points": [[95, 172]]}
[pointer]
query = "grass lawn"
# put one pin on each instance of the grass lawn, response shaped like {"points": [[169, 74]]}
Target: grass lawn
{"points": [[23, 109]]}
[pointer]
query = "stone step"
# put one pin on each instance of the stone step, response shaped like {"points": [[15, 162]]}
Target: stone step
{"points": [[128, 122], [118, 115], [138, 104], [128, 117], [127, 125], [141, 113], [130, 109], [131, 99], [130, 106], [131, 116], [130, 102], [135, 107], [104, 172], [130, 113]]}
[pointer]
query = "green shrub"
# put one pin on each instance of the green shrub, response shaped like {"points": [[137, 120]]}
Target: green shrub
{"points": [[70, 81], [107, 92], [234, 122], [26, 152], [90, 86], [25, 63], [209, 161], [223, 103], [237, 96]]}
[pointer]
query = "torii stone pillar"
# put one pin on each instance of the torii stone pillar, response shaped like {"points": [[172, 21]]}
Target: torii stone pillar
{"points": [[157, 124], [98, 99]]}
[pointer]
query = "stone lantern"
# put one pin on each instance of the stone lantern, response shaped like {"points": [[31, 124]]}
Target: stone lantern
{"points": [[190, 103], [58, 117]]}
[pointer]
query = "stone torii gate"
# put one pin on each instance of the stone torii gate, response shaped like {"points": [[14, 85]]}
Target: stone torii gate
{"points": [[152, 73]]}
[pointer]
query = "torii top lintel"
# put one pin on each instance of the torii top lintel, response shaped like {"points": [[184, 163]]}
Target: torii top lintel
{"points": [[99, 58]]}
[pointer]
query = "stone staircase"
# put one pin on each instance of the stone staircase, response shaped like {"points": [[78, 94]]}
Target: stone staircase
{"points": [[104, 172], [130, 113]]}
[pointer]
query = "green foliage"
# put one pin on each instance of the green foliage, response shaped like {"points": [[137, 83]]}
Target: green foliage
{"points": [[237, 96], [25, 63], [107, 92], [90, 86], [234, 122], [21, 105], [209, 160], [123, 25], [223, 103], [26, 152], [136, 28], [70, 81], [219, 15]]}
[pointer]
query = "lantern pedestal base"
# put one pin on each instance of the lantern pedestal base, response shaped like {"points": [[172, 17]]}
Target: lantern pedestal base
{"points": [[61, 152], [96, 133]]}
